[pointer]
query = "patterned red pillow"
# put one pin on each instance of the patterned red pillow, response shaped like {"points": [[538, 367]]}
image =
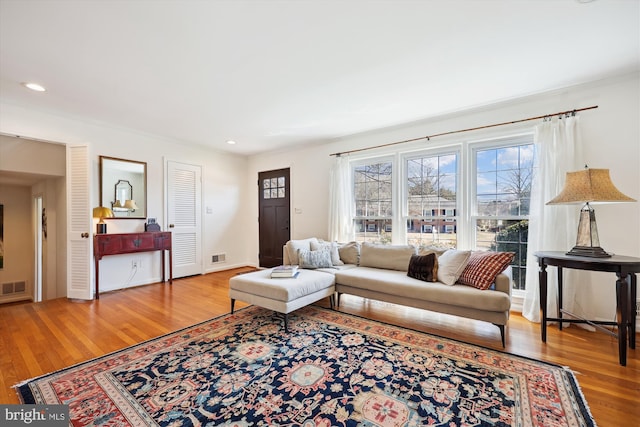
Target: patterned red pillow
{"points": [[483, 267]]}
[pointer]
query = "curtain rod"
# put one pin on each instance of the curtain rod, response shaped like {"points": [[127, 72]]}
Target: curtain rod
{"points": [[428, 137]]}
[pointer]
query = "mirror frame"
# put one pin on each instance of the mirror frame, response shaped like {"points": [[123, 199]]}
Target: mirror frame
{"points": [[107, 189]]}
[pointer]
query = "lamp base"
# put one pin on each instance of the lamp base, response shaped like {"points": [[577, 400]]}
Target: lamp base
{"points": [[589, 251], [101, 228]]}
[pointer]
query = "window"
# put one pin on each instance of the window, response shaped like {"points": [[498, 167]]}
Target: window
{"points": [[472, 195], [274, 188], [373, 201], [431, 200], [502, 196]]}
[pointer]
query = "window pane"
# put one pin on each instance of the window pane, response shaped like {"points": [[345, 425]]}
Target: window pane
{"points": [[373, 230]]}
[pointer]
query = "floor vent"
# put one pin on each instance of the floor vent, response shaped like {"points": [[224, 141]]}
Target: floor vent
{"points": [[14, 287], [218, 258]]}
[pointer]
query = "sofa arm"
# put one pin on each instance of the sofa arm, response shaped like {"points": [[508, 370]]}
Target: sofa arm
{"points": [[285, 256], [503, 283]]}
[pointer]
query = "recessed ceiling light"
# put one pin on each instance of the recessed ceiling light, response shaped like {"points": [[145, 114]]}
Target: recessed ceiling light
{"points": [[231, 142], [34, 86]]}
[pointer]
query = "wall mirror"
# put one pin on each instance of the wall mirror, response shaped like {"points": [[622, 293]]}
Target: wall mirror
{"points": [[123, 187]]}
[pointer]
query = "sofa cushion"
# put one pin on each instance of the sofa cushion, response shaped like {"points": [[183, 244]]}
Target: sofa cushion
{"points": [[391, 257], [424, 267], [451, 264], [261, 284], [399, 284], [293, 246], [350, 252], [314, 259], [332, 247], [483, 267]]}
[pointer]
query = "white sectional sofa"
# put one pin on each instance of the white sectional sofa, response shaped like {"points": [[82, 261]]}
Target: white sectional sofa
{"points": [[382, 272]]}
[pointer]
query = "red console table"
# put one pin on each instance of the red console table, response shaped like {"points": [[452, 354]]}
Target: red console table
{"points": [[127, 243]]}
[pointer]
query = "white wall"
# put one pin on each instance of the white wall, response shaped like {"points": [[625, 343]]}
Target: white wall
{"points": [[610, 139], [224, 179]]}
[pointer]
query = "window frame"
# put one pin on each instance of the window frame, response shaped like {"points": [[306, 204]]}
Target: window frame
{"points": [[432, 218], [473, 148], [368, 161]]}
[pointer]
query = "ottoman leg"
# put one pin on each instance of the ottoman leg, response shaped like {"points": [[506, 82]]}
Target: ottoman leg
{"points": [[286, 323], [233, 302]]}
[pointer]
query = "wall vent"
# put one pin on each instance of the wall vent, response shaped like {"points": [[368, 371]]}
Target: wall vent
{"points": [[14, 287], [218, 258]]}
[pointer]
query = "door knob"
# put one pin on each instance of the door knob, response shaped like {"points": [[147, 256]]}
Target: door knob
{"points": [[85, 235], [170, 225]]}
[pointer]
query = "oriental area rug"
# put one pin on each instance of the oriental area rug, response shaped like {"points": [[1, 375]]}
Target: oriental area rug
{"points": [[331, 369]]}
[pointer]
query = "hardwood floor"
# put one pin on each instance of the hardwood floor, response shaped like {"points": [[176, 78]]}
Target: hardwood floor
{"points": [[37, 338]]}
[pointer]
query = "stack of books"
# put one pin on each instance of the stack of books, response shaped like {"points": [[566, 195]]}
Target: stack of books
{"points": [[285, 271]]}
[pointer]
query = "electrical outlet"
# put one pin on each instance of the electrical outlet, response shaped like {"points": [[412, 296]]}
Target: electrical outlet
{"points": [[637, 308]]}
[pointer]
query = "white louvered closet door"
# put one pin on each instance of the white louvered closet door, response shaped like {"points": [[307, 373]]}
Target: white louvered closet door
{"points": [[184, 217], [79, 225]]}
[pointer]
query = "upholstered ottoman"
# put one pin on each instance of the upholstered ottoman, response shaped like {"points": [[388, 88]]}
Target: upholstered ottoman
{"points": [[283, 295]]}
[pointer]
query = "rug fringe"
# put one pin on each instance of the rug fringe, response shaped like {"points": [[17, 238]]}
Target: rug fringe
{"points": [[578, 390]]}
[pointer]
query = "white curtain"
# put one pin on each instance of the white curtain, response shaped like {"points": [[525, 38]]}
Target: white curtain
{"points": [[552, 228], [340, 203]]}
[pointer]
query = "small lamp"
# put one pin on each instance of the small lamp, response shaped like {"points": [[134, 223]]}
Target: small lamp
{"points": [[589, 186], [130, 205], [102, 213], [118, 204]]}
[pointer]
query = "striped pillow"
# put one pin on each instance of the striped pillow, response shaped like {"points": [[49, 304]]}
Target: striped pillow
{"points": [[483, 267]]}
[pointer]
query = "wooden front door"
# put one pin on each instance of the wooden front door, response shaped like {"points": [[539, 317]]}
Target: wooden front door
{"points": [[274, 211]]}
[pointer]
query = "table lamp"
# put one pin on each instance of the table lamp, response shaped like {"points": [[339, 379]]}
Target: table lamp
{"points": [[102, 213], [130, 205], [589, 186]]}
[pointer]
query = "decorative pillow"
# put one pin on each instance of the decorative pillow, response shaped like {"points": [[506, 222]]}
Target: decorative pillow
{"points": [[314, 259], [332, 247], [451, 264], [483, 267], [293, 246], [424, 267], [350, 253]]}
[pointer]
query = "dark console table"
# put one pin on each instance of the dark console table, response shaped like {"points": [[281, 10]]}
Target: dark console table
{"points": [[624, 267], [127, 243]]}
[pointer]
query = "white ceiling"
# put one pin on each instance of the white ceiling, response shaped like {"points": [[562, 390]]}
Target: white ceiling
{"points": [[271, 74]]}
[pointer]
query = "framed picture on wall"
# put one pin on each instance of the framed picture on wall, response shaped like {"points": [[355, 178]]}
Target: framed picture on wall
{"points": [[1, 237]]}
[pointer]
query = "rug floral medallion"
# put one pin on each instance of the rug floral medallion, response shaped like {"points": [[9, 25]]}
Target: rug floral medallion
{"points": [[331, 369]]}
